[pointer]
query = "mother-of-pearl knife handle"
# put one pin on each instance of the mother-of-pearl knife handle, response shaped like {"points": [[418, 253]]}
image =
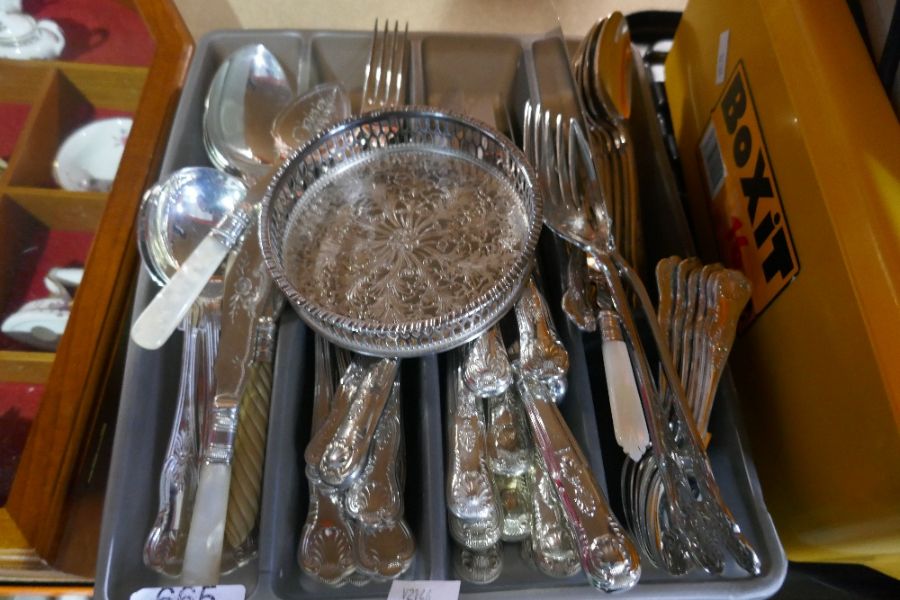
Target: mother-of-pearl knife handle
{"points": [[160, 318], [629, 424]]}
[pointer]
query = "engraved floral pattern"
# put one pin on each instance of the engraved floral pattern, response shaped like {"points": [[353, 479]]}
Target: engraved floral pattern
{"points": [[572, 470], [403, 235], [326, 545], [471, 495], [375, 497]]}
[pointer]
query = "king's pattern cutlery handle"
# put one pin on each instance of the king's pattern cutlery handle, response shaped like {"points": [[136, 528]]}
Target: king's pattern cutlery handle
{"points": [[486, 370], [508, 446], [542, 354], [326, 543], [608, 556], [324, 431], [345, 455], [551, 547], [470, 495], [178, 479], [375, 498]]}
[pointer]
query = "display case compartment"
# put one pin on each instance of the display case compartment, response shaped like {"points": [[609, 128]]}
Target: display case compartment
{"points": [[49, 519], [61, 109]]}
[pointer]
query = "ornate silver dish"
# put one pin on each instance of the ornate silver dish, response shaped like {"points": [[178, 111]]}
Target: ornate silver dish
{"points": [[402, 232]]}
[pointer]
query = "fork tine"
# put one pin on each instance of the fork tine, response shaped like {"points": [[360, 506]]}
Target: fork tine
{"points": [[527, 143], [380, 76], [538, 134], [562, 164], [370, 71], [400, 71], [390, 47], [546, 160]]}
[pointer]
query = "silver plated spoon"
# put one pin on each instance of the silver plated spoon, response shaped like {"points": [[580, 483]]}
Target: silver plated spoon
{"points": [[248, 91], [175, 215]]}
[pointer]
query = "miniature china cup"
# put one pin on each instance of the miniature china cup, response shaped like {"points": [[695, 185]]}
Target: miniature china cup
{"points": [[23, 38], [88, 159]]}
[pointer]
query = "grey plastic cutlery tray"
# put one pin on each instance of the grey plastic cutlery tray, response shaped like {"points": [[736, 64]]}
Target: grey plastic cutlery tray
{"points": [[491, 77]]}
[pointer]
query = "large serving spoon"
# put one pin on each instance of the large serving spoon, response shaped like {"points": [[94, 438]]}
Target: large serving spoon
{"points": [[248, 91], [175, 215], [612, 82]]}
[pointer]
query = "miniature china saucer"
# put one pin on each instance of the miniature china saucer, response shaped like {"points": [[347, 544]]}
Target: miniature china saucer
{"points": [[87, 161], [39, 323], [23, 38]]}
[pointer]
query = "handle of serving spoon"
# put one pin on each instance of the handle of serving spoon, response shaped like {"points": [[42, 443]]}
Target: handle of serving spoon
{"points": [[161, 317]]}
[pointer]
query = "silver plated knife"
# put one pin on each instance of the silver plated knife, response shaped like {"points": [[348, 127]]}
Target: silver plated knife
{"points": [[250, 307]]}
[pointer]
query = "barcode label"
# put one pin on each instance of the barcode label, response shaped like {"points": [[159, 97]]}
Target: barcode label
{"points": [[712, 161], [722, 57]]}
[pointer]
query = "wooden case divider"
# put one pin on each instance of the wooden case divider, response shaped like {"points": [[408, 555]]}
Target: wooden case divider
{"points": [[44, 534]]}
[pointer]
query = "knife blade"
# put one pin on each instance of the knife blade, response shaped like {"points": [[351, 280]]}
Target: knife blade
{"points": [[249, 300]]}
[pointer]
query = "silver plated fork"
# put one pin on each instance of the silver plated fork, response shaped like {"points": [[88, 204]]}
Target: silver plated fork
{"points": [[699, 514], [386, 68]]}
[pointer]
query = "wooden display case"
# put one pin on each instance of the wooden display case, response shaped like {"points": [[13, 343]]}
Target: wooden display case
{"points": [[49, 522]]}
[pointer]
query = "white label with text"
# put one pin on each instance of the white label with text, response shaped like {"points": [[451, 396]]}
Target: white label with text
{"points": [[208, 592], [424, 590]]}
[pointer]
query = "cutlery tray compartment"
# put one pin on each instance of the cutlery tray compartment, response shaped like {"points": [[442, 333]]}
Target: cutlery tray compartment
{"points": [[489, 77]]}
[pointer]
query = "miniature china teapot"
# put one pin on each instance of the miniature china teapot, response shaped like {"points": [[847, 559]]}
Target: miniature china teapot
{"points": [[10, 6], [22, 37]]}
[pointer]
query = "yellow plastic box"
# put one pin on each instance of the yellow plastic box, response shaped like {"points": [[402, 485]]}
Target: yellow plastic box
{"points": [[791, 156]]}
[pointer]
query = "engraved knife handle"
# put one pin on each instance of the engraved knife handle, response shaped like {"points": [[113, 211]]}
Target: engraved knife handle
{"points": [[346, 453], [608, 556]]}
